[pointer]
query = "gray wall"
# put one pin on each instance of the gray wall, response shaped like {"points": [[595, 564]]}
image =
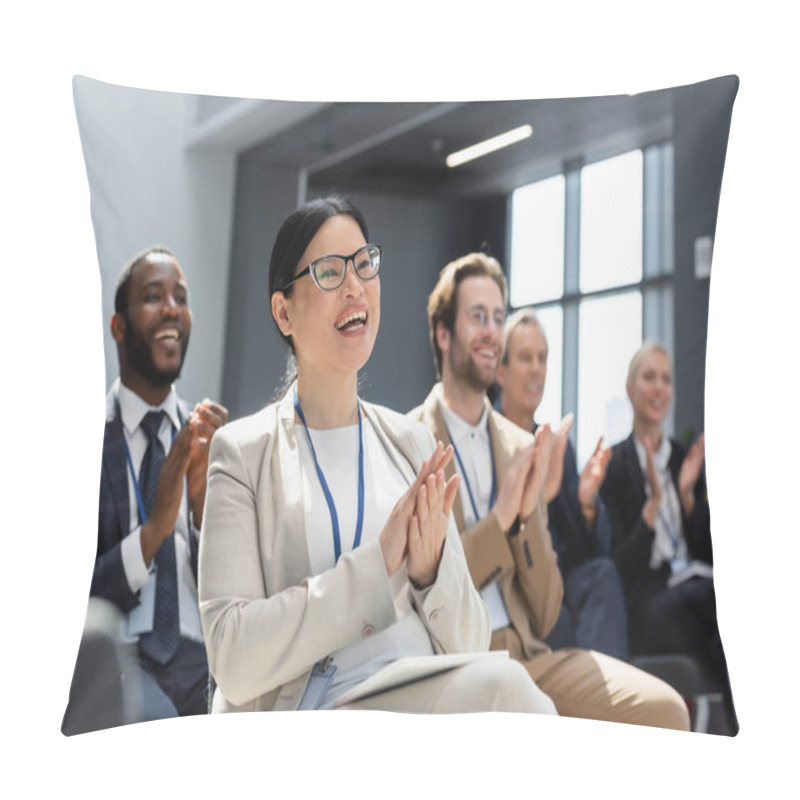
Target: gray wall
{"points": [[221, 214], [255, 356], [418, 237], [701, 121], [147, 189]]}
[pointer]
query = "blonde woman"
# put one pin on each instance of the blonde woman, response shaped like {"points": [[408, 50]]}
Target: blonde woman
{"points": [[655, 494]]}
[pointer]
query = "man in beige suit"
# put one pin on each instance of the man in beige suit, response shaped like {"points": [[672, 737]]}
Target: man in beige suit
{"points": [[502, 516]]}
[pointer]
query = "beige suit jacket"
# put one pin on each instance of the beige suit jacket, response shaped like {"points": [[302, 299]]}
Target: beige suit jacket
{"points": [[525, 563], [266, 619]]}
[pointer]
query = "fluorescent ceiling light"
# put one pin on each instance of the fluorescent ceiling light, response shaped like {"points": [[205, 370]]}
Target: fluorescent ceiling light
{"points": [[489, 146]]}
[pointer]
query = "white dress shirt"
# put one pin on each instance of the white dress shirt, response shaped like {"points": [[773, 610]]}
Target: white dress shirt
{"points": [[475, 467], [140, 578], [669, 542]]}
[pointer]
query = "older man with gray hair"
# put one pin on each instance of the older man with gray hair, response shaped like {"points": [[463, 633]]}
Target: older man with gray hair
{"points": [[592, 614]]}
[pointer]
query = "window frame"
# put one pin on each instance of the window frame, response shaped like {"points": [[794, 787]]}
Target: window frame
{"points": [[658, 266]]}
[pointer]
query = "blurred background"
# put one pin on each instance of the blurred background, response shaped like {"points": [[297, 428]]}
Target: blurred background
{"points": [[602, 212]]}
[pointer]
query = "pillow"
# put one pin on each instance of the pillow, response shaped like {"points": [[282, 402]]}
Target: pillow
{"points": [[212, 178]]}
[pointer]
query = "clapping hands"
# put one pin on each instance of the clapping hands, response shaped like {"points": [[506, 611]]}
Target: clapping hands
{"points": [[555, 473], [206, 417], [417, 527], [524, 481], [545, 442], [591, 479], [690, 473], [187, 458]]}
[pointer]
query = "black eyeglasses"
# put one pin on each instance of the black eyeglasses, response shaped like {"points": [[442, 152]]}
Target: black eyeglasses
{"points": [[329, 272]]}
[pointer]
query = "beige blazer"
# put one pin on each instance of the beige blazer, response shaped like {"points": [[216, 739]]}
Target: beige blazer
{"points": [[525, 563], [266, 619]]}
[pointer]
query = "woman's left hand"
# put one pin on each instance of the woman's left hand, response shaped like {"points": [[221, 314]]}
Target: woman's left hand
{"points": [[690, 473], [428, 528]]}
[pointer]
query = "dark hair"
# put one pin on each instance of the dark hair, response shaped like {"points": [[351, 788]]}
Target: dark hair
{"points": [[442, 305], [124, 279], [299, 228], [297, 231]]}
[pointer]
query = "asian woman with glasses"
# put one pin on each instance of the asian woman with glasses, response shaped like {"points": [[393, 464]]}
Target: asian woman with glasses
{"points": [[329, 556]]}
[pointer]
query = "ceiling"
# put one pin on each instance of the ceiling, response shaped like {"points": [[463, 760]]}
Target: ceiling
{"points": [[373, 146]]}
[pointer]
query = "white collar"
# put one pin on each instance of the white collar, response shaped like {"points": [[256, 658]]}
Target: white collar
{"points": [[459, 428], [132, 408]]}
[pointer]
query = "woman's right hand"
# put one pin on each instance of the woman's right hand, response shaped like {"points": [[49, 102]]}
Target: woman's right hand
{"points": [[650, 508], [394, 536], [428, 528]]}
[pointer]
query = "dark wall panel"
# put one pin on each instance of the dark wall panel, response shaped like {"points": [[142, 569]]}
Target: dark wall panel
{"points": [[702, 118], [255, 355]]}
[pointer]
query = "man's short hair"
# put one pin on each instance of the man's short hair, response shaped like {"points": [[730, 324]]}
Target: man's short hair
{"points": [[442, 305], [124, 279], [525, 316]]}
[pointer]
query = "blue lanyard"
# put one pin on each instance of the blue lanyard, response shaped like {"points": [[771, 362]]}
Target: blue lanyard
{"points": [[464, 472], [136, 489], [337, 546]]}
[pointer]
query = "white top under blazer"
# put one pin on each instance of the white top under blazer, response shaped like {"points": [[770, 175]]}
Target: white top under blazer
{"points": [[267, 616]]}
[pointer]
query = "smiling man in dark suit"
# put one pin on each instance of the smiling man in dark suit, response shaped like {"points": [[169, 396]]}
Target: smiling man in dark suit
{"points": [[153, 486]]}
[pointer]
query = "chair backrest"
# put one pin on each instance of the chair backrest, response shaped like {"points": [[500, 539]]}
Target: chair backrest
{"points": [[99, 697]]}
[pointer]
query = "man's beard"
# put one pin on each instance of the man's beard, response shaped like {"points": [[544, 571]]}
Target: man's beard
{"points": [[466, 370], [140, 358]]}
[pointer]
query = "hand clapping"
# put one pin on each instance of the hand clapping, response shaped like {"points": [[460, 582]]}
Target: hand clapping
{"points": [[555, 473], [544, 442], [690, 473], [428, 528], [421, 515], [206, 417], [591, 479]]}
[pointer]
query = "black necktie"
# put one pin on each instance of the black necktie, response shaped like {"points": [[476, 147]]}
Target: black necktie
{"points": [[162, 642]]}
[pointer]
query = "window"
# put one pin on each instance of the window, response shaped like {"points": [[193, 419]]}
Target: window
{"points": [[611, 222], [537, 220], [591, 251], [551, 319]]}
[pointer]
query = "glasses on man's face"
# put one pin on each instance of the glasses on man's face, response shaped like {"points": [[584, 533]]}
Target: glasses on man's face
{"points": [[329, 272], [480, 316]]}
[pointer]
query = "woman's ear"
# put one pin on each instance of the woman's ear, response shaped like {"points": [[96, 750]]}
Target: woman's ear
{"points": [[280, 311]]}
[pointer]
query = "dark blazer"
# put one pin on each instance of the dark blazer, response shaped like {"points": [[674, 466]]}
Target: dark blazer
{"points": [[623, 492], [108, 578], [573, 541]]}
